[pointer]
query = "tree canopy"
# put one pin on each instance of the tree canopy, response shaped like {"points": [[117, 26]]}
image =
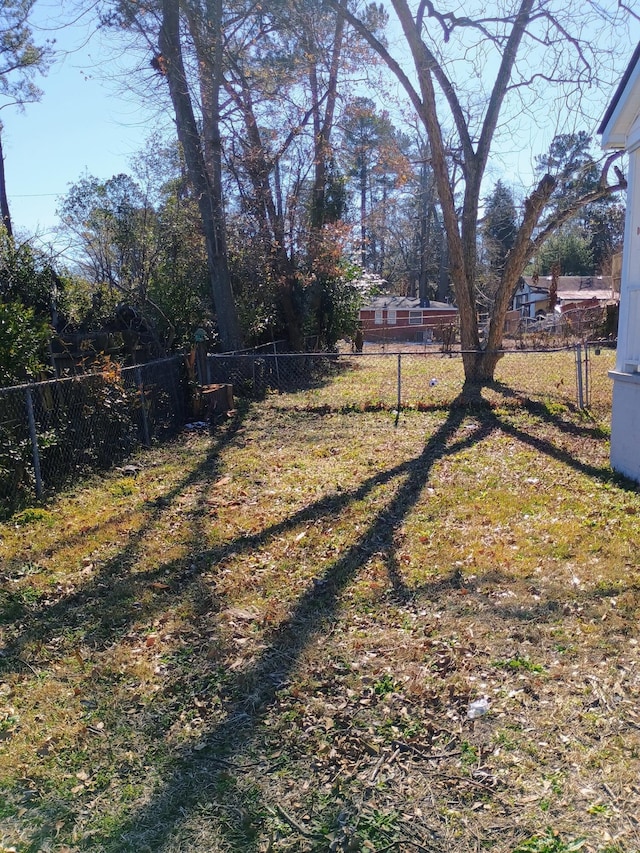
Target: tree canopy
{"points": [[295, 160], [21, 59], [475, 73]]}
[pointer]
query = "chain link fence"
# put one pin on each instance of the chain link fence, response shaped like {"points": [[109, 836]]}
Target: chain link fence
{"points": [[52, 432], [414, 378]]}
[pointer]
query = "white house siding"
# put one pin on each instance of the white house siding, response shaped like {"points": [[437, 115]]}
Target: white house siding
{"points": [[620, 129]]}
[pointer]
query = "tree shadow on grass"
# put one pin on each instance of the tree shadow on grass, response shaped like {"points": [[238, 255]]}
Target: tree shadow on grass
{"points": [[473, 397], [199, 776], [197, 779], [107, 606], [104, 607], [551, 423]]}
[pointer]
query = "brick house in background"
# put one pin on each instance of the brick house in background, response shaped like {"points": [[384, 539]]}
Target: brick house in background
{"points": [[404, 318]]}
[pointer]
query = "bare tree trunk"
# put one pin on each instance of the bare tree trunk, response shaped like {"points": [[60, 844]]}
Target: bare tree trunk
{"points": [[461, 234], [443, 267], [482, 368], [4, 201], [323, 127], [363, 212], [207, 183], [475, 136], [426, 210], [271, 221], [514, 264]]}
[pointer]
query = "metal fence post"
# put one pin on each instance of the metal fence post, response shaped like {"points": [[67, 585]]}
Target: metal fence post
{"points": [[275, 358], [34, 443], [145, 421], [579, 386], [399, 388], [259, 377], [587, 380]]}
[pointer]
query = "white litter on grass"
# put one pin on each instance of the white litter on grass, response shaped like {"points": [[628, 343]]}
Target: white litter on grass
{"points": [[477, 709]]}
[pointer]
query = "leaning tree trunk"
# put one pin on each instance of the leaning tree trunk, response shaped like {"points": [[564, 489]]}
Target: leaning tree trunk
{"points": [[480, 366], [208, 188]]}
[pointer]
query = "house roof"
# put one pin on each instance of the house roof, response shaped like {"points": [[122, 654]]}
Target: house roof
{"points": [[404, 303], [586, 285], [623, 109], [587, 296]]}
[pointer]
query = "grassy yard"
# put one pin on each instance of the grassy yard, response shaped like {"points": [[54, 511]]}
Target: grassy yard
{"points": [[269, 638]]}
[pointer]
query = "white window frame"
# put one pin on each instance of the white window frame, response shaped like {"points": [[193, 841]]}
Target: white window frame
{"points": [[378, 319], [415, 318], [392, 317]]}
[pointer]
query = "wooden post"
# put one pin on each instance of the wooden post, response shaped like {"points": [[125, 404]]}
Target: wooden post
{"points": [[202, 363]]}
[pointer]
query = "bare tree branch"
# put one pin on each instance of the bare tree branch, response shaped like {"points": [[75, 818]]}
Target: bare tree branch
{"points": [[622, 5], [603, 190], [382, 51], [556, 24], [449, 21]]}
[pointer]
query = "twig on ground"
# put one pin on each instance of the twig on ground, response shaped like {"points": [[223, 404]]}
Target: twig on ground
{"points": [[427, 756], [381, 761], [293, 823], [7, 656]]}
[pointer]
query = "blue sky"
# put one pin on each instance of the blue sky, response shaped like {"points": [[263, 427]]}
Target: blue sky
{"points": [[83, 125], [80, 125]]}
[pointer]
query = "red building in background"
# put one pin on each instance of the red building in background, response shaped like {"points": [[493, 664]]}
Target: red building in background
{"points": [[403, 318]]}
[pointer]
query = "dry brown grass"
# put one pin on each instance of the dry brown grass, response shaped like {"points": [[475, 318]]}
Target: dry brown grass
{"points": [[269, 638]]}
